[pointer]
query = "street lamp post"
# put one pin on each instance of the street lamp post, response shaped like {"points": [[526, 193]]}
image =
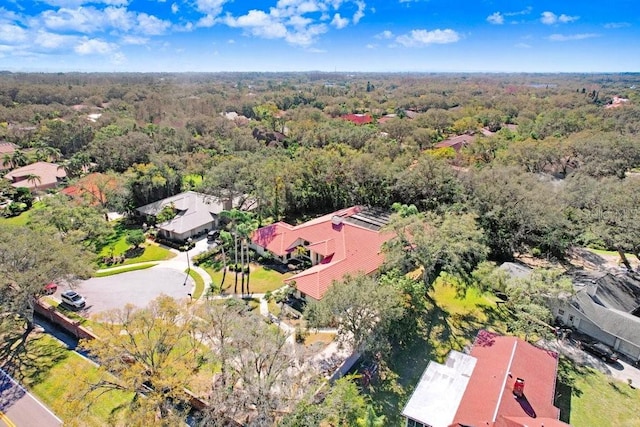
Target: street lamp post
{"points": [[189, 241]]}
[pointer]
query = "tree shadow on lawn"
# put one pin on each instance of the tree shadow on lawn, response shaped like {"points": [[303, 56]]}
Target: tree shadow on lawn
{"points": [[31, 363]]}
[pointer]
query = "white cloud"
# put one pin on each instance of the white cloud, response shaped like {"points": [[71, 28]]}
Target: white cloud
{"points": [[151, 25], [135, 40], [339, 22], [614, 25], [175, 8], [524, 11], [12, 34], [495, 18], [88, 46], [570, 37], [550, 18], [259, 24], [210, 7], [371, 46], [49, 40], [418, 38], [566, 18], [523, 46], [360, 12], [385, 35], [83, 19]]}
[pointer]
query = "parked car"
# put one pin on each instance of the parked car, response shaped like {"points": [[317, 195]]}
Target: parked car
{"points": [[73, 299], [213, 235], [601, 351], [50, 289]]}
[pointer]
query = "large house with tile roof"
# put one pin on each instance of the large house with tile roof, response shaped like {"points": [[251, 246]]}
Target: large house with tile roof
{"points": [[503, 382], [348, 241], [37, 176]]}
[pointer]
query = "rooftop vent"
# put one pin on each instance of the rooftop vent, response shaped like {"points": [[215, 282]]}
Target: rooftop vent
{"points": [[336, 220]]}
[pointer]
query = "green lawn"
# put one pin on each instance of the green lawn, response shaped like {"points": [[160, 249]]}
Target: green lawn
{"points": [[53, 373], [22, 219], [588, 398], [199, 284], [261, 279], [118, 270]]}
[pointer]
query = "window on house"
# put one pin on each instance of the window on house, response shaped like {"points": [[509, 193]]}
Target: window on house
{"points": [[561, 312], [412, 423], [571, 318]]}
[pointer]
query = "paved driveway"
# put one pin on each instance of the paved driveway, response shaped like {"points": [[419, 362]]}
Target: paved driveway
{"points": [[135, 287]]}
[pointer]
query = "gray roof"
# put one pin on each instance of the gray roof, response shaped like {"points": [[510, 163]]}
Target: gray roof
{"points": [[615, 322], [517, 270], [437, 396], [194, 210], [617, 291]]}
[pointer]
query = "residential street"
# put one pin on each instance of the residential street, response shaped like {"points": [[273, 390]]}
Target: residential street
{"points": [[19, 408]]}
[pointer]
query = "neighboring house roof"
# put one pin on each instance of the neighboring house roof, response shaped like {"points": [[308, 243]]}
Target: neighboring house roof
{"points": [[194, 210], [49, 174], [487, 398], [516, 270], [349, 239], [89, 187], [456, 142], [615, 322], [7, 147], [358, 119]]}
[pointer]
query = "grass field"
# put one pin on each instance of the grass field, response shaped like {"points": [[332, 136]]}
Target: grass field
{"points": [[22, 219], [262, 279]]}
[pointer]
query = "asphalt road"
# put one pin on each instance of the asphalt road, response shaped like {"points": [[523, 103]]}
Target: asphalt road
{"points": [[135, 287], [18, 408]]}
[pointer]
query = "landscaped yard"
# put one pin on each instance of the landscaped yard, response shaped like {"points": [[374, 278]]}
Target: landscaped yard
{"points": [[595, 399], [117, 246], [262, 279]]}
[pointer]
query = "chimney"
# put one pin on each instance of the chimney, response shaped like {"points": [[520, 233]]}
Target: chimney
{"points": [[518, 387]]}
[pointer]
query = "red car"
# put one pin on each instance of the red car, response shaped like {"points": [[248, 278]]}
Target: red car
{"points": [[50, 289]]}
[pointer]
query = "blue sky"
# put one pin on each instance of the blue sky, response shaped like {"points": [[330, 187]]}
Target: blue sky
{"points": [[323, 35]]}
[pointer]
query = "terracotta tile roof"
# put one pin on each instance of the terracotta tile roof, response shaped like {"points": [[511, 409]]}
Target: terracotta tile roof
{"points": [[89, 186], [359, 119], [489, 399], [348, 248]]}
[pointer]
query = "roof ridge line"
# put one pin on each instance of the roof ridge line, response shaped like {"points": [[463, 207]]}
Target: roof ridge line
{"points": [[504, 383]]}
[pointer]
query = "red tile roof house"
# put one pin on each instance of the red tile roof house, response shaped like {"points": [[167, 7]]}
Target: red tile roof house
{"points": [[348, 241], [358, 119], [503, 382], [49, 176]]}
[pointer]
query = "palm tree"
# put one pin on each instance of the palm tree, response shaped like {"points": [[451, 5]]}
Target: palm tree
{"points": [[245, 230], [18, 158], [7, 161], [34, 179]]}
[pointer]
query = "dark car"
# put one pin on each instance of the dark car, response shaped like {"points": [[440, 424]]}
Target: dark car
{"points": [[600, 350], [213, 235]]}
